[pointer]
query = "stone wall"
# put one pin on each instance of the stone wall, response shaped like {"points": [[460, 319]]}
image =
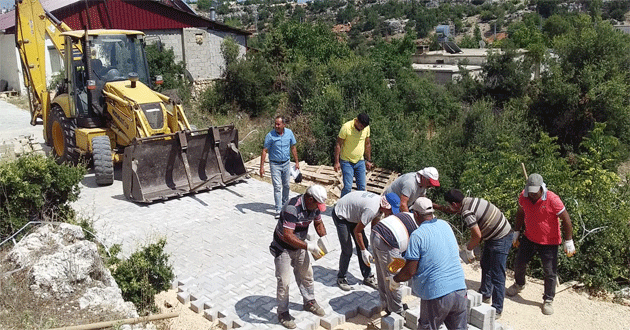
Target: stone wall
{"points": [[202, 51]]}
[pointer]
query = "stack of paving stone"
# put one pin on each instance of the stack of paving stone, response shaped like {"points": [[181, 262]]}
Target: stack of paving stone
{"points": [[16, 147], [377, 179]]}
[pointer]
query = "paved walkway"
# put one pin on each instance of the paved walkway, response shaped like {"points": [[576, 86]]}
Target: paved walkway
{"points": [[218, 243]]}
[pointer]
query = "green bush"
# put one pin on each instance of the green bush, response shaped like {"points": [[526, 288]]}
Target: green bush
{"points": [[144, 274], [162, 62], [36, 188]]}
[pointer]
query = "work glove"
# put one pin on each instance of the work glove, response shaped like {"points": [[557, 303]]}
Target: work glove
{"points": [[569, 248], [470, 255], [367, 257], [314, 249], [515, 241], [393, 285]]}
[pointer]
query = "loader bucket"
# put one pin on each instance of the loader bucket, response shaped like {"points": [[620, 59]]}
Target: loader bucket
{"points": [[184, 162]]}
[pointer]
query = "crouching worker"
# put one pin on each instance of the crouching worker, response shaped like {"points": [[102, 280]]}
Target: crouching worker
{"points": [[432, 259], [289, 249]]}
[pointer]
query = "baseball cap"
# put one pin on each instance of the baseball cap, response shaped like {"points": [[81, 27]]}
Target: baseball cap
{"points": [[430, 173], [319, 194], [393, 201], [534, 182], [422, 205]]}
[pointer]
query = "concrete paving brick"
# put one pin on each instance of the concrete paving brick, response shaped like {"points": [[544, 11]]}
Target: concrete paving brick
{"points": [[226, 322], [482, 317], [304, 324], [369, 308], [331, 320], [349, 311], [406, 291], [392, 322], [472, 327], [211, 314], [197, 306], [183, 297], [411, 318]]}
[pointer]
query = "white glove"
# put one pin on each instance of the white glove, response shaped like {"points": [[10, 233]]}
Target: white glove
{"points": [[393, 285], [314, 249], [569, 248], [470, 255], [367, 257], [515, 236]]}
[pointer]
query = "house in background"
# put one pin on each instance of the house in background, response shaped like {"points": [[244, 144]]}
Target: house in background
{"points": [[194, 39]]}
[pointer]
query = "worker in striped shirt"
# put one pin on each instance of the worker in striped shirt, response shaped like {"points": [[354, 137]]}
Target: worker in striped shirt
{"points": [[488, 224]]}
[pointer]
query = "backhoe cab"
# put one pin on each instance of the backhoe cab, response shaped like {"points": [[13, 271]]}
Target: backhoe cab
{"points": [[104, 111]]}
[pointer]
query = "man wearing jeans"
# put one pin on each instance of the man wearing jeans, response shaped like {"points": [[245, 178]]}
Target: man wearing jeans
{"points": [[277, 143], [538, 213], [488, 224], [432, 259], [351, 214], [353, 142]]}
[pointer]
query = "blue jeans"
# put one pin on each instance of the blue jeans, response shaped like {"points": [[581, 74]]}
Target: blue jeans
{"points": [[350, 170], [548, 256], [493, 262], [345, 230], [280, 176]]}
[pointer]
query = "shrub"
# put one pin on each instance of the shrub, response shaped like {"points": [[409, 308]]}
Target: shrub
{"points": [[36, 188], [144, 274], [162, 62]]}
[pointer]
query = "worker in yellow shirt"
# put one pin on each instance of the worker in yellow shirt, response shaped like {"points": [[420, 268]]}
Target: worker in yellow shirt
{"points": [[353, 143]]}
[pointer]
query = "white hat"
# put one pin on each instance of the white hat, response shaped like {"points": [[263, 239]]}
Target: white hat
{"points": [[422, 205], [319, 194], [430, 173]]}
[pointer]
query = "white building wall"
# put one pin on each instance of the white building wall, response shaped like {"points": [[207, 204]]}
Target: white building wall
{"points": [[10, 68]]}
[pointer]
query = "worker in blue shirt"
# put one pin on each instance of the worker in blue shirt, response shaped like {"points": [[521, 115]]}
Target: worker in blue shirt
{"points": [[277, 143]]}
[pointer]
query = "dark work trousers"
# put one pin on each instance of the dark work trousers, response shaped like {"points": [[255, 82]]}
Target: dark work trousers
{"points": [[345, 230], [548, 256]]}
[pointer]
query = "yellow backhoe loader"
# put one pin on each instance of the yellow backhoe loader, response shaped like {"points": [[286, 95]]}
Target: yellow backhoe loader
{"points": [[105, 112]]}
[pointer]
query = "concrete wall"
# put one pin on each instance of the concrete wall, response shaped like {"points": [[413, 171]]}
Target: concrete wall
{"points": [[170, 39], [202, 51], [10, 68]]}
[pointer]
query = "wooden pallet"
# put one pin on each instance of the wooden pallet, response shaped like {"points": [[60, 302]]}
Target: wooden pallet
{"points": [[377, 179]]}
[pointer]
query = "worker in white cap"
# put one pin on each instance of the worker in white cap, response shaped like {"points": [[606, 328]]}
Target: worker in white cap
{"points": [[289, 248], [412, 185], [432, 259]]}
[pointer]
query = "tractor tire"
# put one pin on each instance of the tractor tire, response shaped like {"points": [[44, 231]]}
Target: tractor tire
{"points": [[63, 137], [103, 163]]}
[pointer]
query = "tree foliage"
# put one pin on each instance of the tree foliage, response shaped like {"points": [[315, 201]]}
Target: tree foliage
{"points": [[36, 188]]}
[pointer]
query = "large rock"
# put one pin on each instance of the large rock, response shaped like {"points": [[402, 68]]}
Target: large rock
{"points": [[63, 265]]}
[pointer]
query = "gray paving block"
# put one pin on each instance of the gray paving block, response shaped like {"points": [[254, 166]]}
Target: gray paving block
{"points": [[349, 311], [207, 305], [197, 306], [183, 297], [411, 318], [331, 320], [369, 308], [472, 327], [482, 317], [392, 322], [226, 322], [474, 298], [406, 291], [306, 325], [211, 314], [174, 284]]}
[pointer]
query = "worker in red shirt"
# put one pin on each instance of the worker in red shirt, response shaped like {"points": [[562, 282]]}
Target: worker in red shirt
{"points": [[538, 213]]}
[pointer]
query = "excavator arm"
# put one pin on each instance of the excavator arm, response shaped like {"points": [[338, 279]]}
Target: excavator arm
{"points": [[33, 26]]}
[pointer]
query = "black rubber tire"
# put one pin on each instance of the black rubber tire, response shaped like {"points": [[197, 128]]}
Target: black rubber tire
{"points": [[64, 150], [103, 163]]}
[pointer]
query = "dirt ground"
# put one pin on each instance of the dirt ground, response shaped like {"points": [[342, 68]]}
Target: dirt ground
{"points": [[573, 310]]}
